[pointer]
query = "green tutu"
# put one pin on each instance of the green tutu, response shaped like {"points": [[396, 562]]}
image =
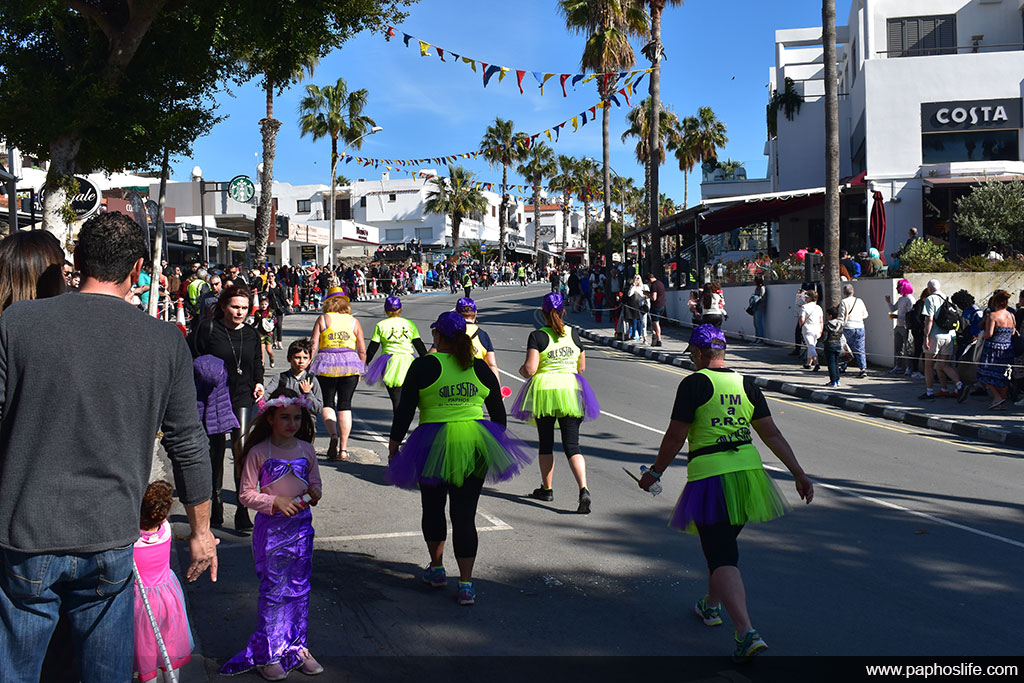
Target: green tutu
{"points": [[735, 497], [397, 369]]}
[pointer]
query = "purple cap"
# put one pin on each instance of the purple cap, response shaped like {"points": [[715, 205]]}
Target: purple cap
{"points": [[392, 303], [553, 302], [449, 324], [707, 337], [465, 304]]}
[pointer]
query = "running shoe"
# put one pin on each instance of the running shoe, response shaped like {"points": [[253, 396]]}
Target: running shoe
{"points": [[466, 594], [435, 577], [272, 672], [917, 375], [896, 371], [748, 647], [833, 384], [926, 396], [961, 394], [862, 374], [543, 494], [584, 506], [945, 393], [711, 616]]}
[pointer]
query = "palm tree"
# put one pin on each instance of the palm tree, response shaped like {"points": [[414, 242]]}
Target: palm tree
{"points": [[456, 197], [828, 38], [540, 165], [608, 26], [502, 145], [685, 148], [653, 51], [332, 111], [342, 180], [587, 178], [639, 120], [563, 181], [268, 129]]}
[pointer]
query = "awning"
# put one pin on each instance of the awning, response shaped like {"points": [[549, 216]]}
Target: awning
{"points": [[964, 180]]}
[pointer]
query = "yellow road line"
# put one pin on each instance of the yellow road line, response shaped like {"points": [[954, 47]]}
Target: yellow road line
{"points": [[835, 412]]}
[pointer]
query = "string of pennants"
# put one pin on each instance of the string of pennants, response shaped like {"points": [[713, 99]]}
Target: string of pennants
{"points": [[488, 71], [577, 122], [593, 193]]}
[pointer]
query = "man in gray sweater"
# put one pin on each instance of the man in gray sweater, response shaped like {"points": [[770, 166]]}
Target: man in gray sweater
{"points": [[86, 383]]}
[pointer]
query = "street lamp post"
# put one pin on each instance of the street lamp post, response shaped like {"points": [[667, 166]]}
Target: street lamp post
{"points": [[197, 175], [334, 166]]}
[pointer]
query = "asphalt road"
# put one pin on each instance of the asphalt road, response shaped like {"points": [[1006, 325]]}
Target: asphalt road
{"points": [[913, 544]]}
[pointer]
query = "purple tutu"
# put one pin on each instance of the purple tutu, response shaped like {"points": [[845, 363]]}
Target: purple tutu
{"points": [[734, 497], [375, 371], [449, 452], [337, 363]]}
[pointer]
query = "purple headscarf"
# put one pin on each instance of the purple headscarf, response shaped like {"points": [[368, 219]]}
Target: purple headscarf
{"points": [[392, 303], [449, 325], [553, 302]]}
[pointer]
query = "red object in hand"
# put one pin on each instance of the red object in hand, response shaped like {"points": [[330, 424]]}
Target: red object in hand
{"points": [[505, 392]]}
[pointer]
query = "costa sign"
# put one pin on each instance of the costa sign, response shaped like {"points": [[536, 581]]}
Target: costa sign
{"points": [[84, 203], [971, 115]]}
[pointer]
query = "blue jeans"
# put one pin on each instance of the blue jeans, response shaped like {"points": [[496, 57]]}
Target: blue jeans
{"points": [[759, 322], [93, 590], [832, 353], [855, 338], [636, 328]]}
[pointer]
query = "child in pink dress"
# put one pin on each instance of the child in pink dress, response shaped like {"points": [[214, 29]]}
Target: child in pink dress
{"points": [[162, 590]]}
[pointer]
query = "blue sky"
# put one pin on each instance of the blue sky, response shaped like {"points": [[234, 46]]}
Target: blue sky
{"points": [[719, 54]]}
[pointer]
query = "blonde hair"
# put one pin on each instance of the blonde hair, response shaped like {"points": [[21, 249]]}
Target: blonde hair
{"points": [[338, 304]]}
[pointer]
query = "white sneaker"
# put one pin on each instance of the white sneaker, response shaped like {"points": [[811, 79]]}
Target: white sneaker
{"points": [[917, 375]]}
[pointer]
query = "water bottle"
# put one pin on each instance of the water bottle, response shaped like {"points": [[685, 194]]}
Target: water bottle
{"points": [[655, 487]]}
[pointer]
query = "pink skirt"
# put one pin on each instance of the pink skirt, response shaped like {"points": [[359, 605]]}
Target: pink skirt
{"points": [[168, 605]]}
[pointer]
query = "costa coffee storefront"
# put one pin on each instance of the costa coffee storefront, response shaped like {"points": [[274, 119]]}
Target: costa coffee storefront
{"points": [[964, 143]]}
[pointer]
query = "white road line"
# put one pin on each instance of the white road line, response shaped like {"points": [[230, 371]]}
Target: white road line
{"points": [[496, 524], [870, 499]]}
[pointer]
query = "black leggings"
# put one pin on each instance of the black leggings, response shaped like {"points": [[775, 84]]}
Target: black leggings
{"points": [[463, 513], [278, 325], [218, 442], [570, 429], [396, 395], [718, 541], [338, 391]]}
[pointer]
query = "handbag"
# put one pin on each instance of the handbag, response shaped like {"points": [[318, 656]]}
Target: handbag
{"points": [[267, 324]]}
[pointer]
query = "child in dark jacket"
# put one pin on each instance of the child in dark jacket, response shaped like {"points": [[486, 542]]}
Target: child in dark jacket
{"points": [[833, 340]]}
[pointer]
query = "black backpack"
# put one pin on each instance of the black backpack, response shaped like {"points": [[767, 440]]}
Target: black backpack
{"points": [[948, 316]]}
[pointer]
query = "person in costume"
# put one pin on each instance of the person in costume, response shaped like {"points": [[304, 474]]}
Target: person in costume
{"points": [[398, 339], [339, 360], [482, 346], [280, 480], [726, 485], [556, 391], [161, 588], [453, 450]]}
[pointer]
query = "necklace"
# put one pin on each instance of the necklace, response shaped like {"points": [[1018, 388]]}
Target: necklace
{"points": [[237, 357]]}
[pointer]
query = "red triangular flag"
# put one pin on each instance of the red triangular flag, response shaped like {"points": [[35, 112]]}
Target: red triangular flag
{"points": [[593, 110], [440, 52], [519, 79], [563, 78], [622, 91]]}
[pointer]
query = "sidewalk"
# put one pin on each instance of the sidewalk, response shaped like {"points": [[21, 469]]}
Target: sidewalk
{"points": [[879, 394]]}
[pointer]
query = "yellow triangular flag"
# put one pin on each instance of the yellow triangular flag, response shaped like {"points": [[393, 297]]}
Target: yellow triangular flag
{"points": [[600, 105], [545, 80], [424, 48], [548, 133], [589, 78], [573, 121], [504, 70], [471, 62]]}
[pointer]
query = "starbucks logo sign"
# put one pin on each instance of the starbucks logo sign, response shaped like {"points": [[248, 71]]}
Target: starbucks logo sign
{"points": [[241, 189]]}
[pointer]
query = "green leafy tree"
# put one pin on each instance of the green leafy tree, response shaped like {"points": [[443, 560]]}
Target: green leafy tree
{"points": [[456, 197], [106, 84], [608, 26], [342, 180], [639, 128], [332, 111], [993, 213], [686, 153], [501, 144], [563, 181], [587, 179], [540, 165]]}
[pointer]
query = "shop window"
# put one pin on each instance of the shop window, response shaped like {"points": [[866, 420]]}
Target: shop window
{"points": [[303, 206], [392, 197], [920, 36], [989, 145]]}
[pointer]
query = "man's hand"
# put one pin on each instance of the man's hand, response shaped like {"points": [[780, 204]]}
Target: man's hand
{"points": [[258, 391], [927, 344], [805, 488], [647, 480], [202, 546]]}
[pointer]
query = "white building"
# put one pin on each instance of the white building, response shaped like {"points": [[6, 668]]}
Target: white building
{"points": [[930, 102], [552, 238]]}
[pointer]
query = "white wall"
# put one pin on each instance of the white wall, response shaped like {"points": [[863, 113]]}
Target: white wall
{"points": [[999, 22]]}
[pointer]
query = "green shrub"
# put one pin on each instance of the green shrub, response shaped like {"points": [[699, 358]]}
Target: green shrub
{"points": [[923, 256]]}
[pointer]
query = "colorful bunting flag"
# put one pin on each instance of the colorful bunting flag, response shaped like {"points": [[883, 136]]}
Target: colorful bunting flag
{"points": [[424, 48], [519, 79]]}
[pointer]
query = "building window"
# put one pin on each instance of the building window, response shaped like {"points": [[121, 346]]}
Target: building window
{"points": [[303, 206], [392, 197], [920, 36], [425, 234], [494, 210], [394, 235], [989, 145], [362, 201]]}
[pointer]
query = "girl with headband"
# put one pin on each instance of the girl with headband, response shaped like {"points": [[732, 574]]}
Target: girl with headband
{"points": [[280, 480], [453, 450], [340, 357], [556, 391], [398, 339]]}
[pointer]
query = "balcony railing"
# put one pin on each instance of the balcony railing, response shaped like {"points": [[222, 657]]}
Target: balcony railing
{"points": [[962, 49]]}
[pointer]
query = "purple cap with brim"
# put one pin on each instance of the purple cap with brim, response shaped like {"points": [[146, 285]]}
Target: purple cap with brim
{"points": [[449, 325], [392, 303], [553, 302], [465, 304], [707, 337]]}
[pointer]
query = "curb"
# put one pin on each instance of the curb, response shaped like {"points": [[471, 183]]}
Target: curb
{"points": [[872, 408]]}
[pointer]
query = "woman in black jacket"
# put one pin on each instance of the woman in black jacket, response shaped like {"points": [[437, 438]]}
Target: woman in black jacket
{"points": [[275, 293], [228, 337]]}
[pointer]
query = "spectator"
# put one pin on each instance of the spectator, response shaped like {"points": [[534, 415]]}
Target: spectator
{"points": [[811, 325], [31, 267], [938, 346], [851, 265], [853, 313], [658, 308], [901, 333], [759, 300], [79, 543], [997, 354]]}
